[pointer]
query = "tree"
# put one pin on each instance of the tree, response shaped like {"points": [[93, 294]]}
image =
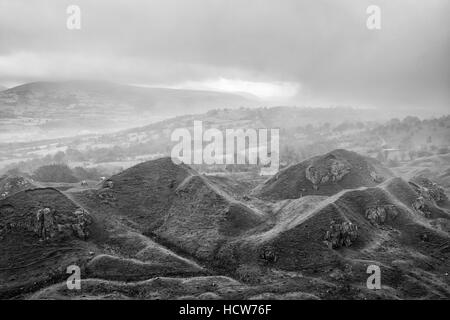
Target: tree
{"points": [[393, 163], [59, 157], [74, 155], [55, 173], [380, 156]]}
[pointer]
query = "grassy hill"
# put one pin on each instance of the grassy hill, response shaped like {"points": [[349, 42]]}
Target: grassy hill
{"points": [[177, 205], [397, 237], [29, 260], [162, 230], [324, 175]]}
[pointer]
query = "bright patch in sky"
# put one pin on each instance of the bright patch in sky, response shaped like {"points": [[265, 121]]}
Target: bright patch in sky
{"points": [[262, 90]]}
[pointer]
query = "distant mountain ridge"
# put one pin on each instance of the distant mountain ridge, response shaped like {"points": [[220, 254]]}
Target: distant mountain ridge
{"points": [[75, 93], [73, 106]]}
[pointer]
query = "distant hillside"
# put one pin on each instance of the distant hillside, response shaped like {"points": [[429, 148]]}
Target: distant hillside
{"points": [[304, 133], [436, 168], [84, 95], [66, 108], [10, 185]]}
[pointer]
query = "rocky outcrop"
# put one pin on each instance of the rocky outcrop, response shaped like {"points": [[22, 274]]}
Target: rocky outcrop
{"points": [[428, 189], [341, 234], [78, 226], [380, 214], [329, 170], [420, 206], [376, 177], [269, 254], [429, 194], [49, 224], [12, 184], [108, 184]]}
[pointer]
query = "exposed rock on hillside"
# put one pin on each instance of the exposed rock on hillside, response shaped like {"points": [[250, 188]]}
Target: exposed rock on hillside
{"points": [[428, 189], [421, 207], [13, 184], [376, 177], [330, 169], [341, 234], [380, 214], [48, 220]]}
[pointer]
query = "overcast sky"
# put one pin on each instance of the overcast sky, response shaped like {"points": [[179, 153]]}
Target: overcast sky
{"points": [[310, 52]]}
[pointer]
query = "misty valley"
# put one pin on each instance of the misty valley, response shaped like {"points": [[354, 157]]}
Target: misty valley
{"points": [[351, 191]]}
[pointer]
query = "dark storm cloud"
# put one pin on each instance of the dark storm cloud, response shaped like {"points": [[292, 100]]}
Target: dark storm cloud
{"points": [[323, 46]]}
